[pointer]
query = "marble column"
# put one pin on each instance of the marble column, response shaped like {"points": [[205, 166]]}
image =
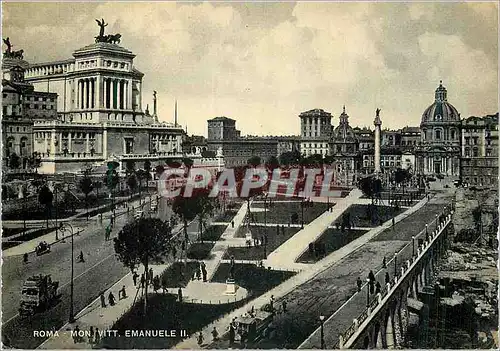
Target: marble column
{"points": [[106, 93], [87, 142], [105, 143]]}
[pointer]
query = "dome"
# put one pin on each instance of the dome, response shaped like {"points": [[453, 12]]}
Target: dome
{"points": [[441, 110], [343, 132]]}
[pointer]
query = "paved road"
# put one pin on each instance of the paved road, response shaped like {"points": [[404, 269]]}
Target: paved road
{"points": [[327, 292], [100, 270]]}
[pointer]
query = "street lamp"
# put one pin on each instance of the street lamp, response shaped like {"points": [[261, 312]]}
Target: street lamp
{"points": [[395, 264], [413, 245], [302, 210], [367, 293], [71, 310], [322, 319], [437, 223]]}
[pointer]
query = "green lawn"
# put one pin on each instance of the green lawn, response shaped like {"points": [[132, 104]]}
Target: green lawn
{"points": [[281, 212], [360, 215], [332, 240], [199, 250], [257, 253], [214, 232], [227, 216], [179, 274]]}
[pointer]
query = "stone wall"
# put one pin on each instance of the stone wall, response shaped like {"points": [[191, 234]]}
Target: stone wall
{"points": [[466, 201]]}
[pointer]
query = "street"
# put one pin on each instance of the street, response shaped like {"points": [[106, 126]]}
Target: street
{"points": [[100, 270]]}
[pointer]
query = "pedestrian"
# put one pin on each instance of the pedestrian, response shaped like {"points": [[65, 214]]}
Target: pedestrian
{"points": [[150, 278], [359, 283], [164, 285], [371, 276], [393, 222], [179, 294], [282, 229], [387, 277], [123, 292], [198, 272], [261, 241], [97, 336], [111, 298], [25, 257], [156, 283], [378, 288], [143, 280], [76, 337], [80, 257], [231, 334], [232, 224], [215, 334], [277, 229], [91, 335], [271, 303], [283, 304], [103, 299], [384, 263], [372, 286], [134, 277], [200, 339]]}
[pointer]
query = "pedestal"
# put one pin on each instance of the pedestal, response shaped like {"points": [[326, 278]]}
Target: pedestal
{"points": [[230, 287]]}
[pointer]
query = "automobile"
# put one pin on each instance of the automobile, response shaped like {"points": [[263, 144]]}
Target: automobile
{"points": [[457, 182], [42, 248], [431, 179], [439, 176]]}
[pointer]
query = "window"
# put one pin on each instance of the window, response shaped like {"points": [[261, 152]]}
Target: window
{"points": [[488, 152], [453, 134], [467, 140], [438, 134], [467, 152], [475, 152]]}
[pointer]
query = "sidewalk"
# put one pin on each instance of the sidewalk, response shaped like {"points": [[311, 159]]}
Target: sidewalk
{"points": [[104, 318], [291, 284], [30, 245], [100, 317], [286, 254]]}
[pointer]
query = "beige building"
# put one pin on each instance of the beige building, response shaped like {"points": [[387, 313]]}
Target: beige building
{"points": [[479, 162], [22, 105], [99, 112], [315, 132], [236, 150], [439, 147]]}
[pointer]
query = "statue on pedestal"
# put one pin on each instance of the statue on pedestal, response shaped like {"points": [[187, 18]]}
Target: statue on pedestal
{"points": [[110, 38], [12, 54], [378, 112]]}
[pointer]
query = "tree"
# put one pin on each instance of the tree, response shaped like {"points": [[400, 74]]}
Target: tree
{"points": [[144, 241], [272, 163], [35, 161], [129, 167], [185, 208], [290, 158], [371, 187], [147, 166], [132, 184], [204, 205], [86, 186], [14, 161], [401, 176], [111, 179], [254, 161], [159, 170], [45, 197]]}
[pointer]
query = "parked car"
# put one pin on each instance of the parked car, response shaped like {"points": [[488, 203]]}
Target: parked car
{"points": [[439, 176]]}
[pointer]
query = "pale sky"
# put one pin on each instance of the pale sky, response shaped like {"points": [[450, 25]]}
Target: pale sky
{"points": [[264, 63]]}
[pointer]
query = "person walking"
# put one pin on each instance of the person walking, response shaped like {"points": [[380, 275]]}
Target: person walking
{"points": [[359, 283], [371, 276], [232, 224], [123, 292], [387, 277], [283, 304], [150, 277], [111, 298], [80, 257], [76, 336], [25, 258], [103, 299], [143, 280], [97, 338], [378, 288], [200, 339], [231, 334], [164, 285], [91, 335], [384, 263], [179, 294], [134, 277], [215, 334]]}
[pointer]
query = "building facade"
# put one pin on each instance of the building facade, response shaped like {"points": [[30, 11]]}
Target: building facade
{"points": [[97, 116], [22, 105], [315, 132], [439, 148], [236, 150], [344, 150], [479, 162]]}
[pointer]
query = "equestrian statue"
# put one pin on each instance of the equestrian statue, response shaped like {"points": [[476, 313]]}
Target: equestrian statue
{"points": [[110, 38]]}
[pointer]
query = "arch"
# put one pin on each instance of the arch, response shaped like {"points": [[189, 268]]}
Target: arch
{"points": [[24, 146], [390, 341]]}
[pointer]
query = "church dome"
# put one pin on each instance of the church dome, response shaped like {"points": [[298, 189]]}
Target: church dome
{"points": [[441, 110]]}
